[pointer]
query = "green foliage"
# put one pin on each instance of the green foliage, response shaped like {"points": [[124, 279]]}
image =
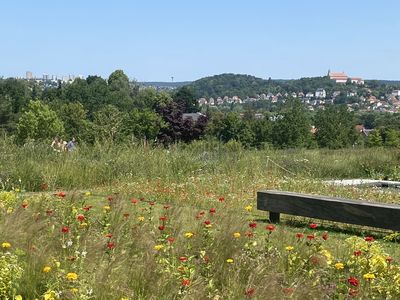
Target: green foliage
{"points": [[74, 118], [108, 124], [144, 124], [186, 98], [375, 139], [335, 127], [38, 122], [292, 126]]}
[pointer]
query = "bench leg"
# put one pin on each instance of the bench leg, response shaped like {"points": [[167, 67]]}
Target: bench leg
{"points": [[274, 217]]}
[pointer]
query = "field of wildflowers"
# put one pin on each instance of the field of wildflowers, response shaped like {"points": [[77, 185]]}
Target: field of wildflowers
{"points": [[79, 245], [136, 223]]}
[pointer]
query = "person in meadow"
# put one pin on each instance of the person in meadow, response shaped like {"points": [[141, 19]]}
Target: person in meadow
{"points": [[56, 144], [71, 145]]}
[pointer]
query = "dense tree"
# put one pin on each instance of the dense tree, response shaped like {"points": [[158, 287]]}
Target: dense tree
{"points": [[291, 127], [375, 139], [74, 118], [186, 98], [144, 124], [120, 92], [108, 125], [38, 122], [335, 127]]}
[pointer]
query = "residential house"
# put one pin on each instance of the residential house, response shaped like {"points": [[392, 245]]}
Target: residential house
{"points": [[320, 93]]}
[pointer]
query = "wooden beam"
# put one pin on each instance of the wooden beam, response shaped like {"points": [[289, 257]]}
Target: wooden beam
{"points": [[358, 212]]}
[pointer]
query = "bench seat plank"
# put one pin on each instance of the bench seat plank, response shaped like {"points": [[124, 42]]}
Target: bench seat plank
{"points": [[358, 212]]}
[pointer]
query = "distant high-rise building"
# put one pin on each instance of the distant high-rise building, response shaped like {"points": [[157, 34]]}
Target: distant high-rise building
{"points": [[45, 77], [29, 75]]}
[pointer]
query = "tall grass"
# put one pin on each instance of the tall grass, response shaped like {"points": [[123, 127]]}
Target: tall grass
{"points": [[106, 165]]}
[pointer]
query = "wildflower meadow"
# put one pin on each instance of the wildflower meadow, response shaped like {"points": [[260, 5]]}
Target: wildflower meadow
{"points": [[186, 237]]}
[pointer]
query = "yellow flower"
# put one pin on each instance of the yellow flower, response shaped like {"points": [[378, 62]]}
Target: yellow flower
{"points": [[74, 290], [83, 225], [18, 297], [158, 247], [229, 261], [72, 276], [17, 190], [328, 256], [369, 276], [50, 295], [140, 219], [236, 234], [189, 234], [74, 210], [58, 264], [289, 248], [46, 269], [6, 245], [339, 266], [106, 208], [88, 194], [9, 210], [249, 208]]}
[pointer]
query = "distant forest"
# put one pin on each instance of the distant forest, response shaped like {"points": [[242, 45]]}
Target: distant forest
{"points": [[116, 110]]}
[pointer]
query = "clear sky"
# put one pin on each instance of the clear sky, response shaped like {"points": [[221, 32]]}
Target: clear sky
{"points": [[154, 40]]}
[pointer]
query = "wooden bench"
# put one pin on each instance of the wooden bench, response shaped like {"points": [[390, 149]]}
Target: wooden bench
{"points": [[358, 212]]}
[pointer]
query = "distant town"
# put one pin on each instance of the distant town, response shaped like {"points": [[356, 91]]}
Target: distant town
{"points": [[362, 98]]}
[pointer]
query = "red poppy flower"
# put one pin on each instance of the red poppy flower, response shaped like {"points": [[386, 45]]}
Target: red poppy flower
{"points": [[163, 218], [110, 245], [299, 235], [369, 239], [389, 259], [353, 281], [250, 292], [357, 253], [80, 218], [313, 225], [310, 237], [183, 258], [24, 205], [252, 224], [110, 198], [171, 240], [166, 206], [162, 227], [65, 229], [134, 201], [109, 235], [207, 222], [325, 236], [270, 227], [185, 282], [288, 291], [61, 194], [87, 207], [152, 203], [126, 215], [212, 210], [221, 199]]}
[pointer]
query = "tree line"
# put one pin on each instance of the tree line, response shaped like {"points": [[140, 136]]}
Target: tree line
{"points": [[116, 110]]}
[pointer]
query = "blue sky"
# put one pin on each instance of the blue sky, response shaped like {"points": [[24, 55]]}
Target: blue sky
{"points": [[154, 40]]}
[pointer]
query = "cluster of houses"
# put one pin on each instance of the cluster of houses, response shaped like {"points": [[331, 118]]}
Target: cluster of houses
{"points": [[319, 98]]}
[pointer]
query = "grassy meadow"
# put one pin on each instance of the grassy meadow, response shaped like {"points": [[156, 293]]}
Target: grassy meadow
{"points": [[132, 222]]}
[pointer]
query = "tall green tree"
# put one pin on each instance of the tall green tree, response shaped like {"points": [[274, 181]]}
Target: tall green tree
{"points": [[38, 122], [144, 124], [335, 127], [291, 127], [186, 97]]}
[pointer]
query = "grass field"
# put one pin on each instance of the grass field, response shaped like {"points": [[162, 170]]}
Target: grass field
{"points": [[135, 223]]}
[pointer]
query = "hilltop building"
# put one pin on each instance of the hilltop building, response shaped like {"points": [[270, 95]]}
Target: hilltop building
{"points": [[341, 77]]}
